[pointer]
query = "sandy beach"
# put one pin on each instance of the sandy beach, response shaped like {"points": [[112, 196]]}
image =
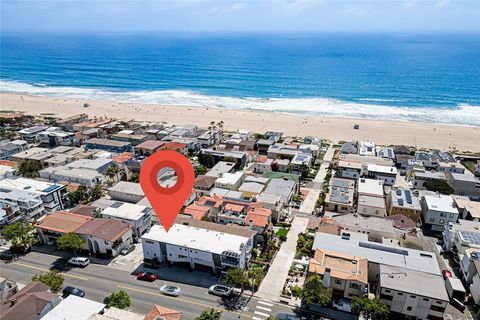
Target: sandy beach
{"points": [[421, 135]]}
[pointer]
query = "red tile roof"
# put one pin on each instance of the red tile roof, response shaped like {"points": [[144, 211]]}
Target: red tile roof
{"points": [[174, 146], [106, 229], [402, 222], [234, 207], [260, 217], [165, 313], [122, 157], [8, 163], [84, 210], [63, 222], [150, 145], [196, 211], [205, 181]]}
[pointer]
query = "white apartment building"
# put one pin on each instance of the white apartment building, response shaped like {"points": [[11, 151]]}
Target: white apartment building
{"points": [[54, 196], [414, 294], [366, 148], [29, 204], [461, 236], [230, 181], [196, 246], [385, 174], [371, 200], [54, 136], [85, 177], [438, 210], [31, 134], [139, 217]]}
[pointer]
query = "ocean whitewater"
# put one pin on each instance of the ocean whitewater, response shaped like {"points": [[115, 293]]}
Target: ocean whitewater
{"points": [[460, 115], [430, 78]]}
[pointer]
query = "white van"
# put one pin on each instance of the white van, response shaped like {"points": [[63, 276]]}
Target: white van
{"points": [[79, 261]]}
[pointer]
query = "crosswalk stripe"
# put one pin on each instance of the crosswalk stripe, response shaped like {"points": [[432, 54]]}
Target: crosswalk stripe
{"points": [[262, 314], [257, 318], [264, 308], [266, 303]]}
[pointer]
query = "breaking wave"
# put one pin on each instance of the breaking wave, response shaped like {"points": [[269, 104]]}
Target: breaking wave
{"points": [[378, 109]]}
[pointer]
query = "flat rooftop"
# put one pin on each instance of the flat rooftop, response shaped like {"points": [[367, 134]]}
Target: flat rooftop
{"points": [[370, 186], [197, 238], [413, 282], [440, 202], [422, 261], [31, 185], [127, 211], [127, 188]]}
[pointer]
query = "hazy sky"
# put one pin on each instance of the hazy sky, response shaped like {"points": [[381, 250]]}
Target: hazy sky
{"points": [[255, 15]]}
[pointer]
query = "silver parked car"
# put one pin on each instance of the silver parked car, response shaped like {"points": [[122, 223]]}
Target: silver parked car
{"points": [[170, 290], [220, 290]]}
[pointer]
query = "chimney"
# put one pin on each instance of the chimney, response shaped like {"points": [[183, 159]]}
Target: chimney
{"points": [[326, 278], [250, 224]]}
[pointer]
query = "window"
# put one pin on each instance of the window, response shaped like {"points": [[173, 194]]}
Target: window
{"points": [[386, 297], [452, 215], [442, 221], [338, 281], [412, 296], [443, 214], [354, 285], [426, 299], [149, 241], [437, 308], [409, 308], [432, 219], [400, 293], [388, 291]]}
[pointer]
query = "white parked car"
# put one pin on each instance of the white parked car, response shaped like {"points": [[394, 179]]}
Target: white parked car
{"points": [[170, 290], [343, 305], [79, 261]]}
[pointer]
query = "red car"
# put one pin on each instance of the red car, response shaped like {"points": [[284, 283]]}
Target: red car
{"points": [[446, 273], [146, 276]]}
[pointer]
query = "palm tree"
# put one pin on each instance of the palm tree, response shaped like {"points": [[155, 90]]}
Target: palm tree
{"points": [[112, 171]]}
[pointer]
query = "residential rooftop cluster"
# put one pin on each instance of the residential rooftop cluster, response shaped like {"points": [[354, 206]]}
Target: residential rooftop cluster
{"points": [[372, 213]]}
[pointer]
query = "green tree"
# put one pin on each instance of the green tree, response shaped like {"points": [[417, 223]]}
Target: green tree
{"points": [[134, 177], [96, 192], [21, 234], [112, 171], [71, 242], [30, 168], [438, 186], [374, 309], [209, 314], [79, 196], [200, 170], [237, 278], [313, 291], [97, 213], [120, 300], [54, 279]]}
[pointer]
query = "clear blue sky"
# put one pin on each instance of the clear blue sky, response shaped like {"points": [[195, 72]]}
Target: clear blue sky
{"points": [[254, 15]]}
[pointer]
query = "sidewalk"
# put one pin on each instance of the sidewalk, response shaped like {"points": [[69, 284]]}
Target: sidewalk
{"points": [[272, 285], [308, 203]]}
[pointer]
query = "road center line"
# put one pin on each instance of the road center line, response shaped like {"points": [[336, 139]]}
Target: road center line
{"points": [[46, 270], [183, 300]]}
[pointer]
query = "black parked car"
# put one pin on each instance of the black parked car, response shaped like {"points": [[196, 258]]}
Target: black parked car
{"points": [[73, 291]]}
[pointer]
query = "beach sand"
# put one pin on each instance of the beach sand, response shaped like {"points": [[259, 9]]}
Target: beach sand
{"points": [[420, 135]]}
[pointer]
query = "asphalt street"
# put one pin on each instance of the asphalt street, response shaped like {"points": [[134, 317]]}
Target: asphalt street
{"points": [[99, 281]]}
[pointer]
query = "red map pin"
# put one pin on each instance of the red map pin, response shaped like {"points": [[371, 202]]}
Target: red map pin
{"points": [[167, 202]]}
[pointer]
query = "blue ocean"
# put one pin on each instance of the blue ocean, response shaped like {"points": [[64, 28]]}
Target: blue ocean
{"points": [[413, 77]]}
